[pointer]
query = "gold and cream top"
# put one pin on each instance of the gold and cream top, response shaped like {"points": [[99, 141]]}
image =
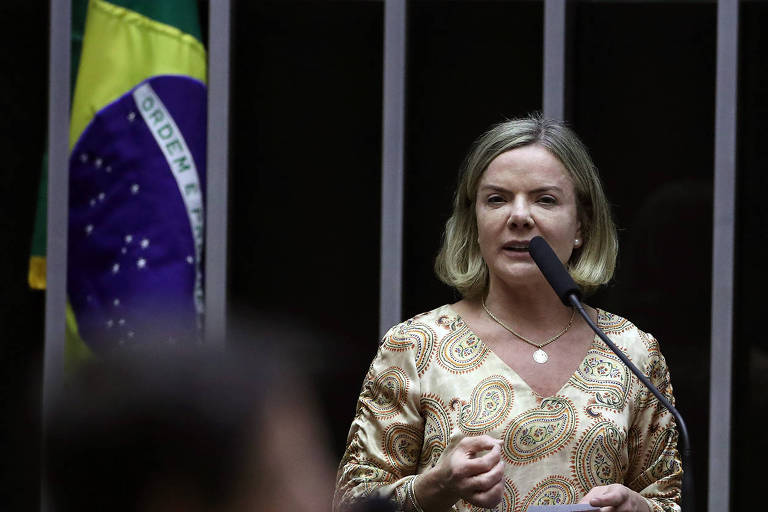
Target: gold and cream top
{"points": [[433, 382]]}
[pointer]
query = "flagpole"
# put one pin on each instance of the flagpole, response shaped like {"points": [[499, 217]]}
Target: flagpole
{"points": [[58, 198]]}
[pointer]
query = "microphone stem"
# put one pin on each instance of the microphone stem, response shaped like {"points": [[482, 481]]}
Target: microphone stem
{"points": [[687, 497]]}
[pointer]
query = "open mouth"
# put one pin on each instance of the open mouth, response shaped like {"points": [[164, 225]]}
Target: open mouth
{"points": [[516, 247]]}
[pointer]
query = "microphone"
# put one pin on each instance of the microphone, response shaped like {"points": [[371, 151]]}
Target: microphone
{"points": [[570, 294], [559, 278]]}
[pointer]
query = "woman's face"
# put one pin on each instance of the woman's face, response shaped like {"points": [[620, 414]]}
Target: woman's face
{"points": [[525, 192]]}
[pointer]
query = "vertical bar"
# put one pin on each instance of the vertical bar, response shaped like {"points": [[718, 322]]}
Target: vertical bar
{"points": [[58, 195], [553, 93], [217, 168], [723, 256], [58, 206], [393, 126]]}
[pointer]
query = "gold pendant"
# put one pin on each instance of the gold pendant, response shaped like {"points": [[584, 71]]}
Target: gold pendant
{"points": [[540, 356]]}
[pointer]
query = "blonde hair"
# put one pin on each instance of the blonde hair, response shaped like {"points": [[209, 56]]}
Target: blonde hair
{"points": [[459, 263]]}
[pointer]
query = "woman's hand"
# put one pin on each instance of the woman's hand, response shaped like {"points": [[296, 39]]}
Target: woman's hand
{"points": [[473, 471], [615, 498]]}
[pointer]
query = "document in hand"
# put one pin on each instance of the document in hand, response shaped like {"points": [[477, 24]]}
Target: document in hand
{"points": [[582, 507]]}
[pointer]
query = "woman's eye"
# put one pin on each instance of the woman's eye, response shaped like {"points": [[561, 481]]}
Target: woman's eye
{"points": [[495, 199], [547, 200]]}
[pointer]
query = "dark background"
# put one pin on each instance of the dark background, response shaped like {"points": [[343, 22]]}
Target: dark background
{"points": [[24, 107], [305, 202], [750, 402]]}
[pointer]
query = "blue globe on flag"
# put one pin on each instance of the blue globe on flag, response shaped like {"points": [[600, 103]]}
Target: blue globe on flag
{"points": [[137, 181]]}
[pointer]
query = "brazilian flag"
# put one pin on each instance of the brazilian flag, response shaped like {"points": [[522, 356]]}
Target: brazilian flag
{"points": [[137, 177]]}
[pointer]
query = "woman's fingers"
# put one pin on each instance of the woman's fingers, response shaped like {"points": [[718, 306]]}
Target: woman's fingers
{"points": [[475, 447], [487, 480], [486, 490], [615, 498], [475, 471], [488, 498], [614, 495], [480, 455]]}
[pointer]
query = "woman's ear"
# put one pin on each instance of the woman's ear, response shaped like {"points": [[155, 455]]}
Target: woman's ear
{"points": [[578, 241]]}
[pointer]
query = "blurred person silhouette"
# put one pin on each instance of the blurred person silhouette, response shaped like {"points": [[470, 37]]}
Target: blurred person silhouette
{"points": [[186, 429]]}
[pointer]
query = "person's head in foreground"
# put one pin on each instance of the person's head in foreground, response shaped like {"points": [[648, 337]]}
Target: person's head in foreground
{"points": [[191, 430]]}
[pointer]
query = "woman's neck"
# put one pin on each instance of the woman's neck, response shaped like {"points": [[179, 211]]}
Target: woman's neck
{"points": [[520, 304]]}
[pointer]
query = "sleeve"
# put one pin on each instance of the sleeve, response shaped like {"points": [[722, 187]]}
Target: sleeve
{"points": [[385, 439], [655, 470]]}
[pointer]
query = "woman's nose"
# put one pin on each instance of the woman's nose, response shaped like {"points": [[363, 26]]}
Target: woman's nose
{"points": [[520, 215]]}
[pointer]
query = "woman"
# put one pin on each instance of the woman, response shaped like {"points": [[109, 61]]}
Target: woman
{"points": [[506, 399]]}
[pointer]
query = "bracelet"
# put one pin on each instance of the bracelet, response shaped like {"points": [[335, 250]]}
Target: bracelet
{"points": [[411, 493]]}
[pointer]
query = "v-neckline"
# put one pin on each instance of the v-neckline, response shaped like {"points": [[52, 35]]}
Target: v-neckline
{"points": [[595, 341]]}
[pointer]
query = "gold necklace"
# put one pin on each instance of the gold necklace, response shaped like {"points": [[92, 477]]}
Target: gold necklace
{"points": [[539, 356]]}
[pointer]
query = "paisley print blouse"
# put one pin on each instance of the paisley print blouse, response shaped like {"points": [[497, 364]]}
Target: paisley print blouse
{"points": [[433, 381]]}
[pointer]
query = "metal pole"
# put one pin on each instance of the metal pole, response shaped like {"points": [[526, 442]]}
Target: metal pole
{"points": [[58, 196], [722, 256], [393, 127], [58, 204], [217, 169], [553, 88]]}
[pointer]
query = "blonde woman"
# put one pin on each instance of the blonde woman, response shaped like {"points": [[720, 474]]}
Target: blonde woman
{"points": [[506, 398]]}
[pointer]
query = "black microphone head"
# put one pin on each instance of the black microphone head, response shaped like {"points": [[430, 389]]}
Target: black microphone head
{"points": [[549, 264]]}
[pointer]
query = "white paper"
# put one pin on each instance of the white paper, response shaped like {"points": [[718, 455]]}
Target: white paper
{"points": [[582, 507]]}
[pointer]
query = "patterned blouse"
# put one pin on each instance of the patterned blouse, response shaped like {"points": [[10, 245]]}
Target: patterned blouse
{"points": [[433, 382]]}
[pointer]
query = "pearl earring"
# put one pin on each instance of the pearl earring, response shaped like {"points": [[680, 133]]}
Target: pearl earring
{"points": [[577, 243]]}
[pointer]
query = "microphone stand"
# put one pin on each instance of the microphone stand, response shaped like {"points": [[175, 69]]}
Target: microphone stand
{"points": [[687, 498]]}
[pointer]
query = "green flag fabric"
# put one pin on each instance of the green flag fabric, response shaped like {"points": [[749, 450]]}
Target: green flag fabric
{"points": [[36, 276]]}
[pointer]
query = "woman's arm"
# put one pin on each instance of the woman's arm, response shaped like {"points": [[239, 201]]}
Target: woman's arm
{"points": [[386, 437], [655, 470], [387, 432]]}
